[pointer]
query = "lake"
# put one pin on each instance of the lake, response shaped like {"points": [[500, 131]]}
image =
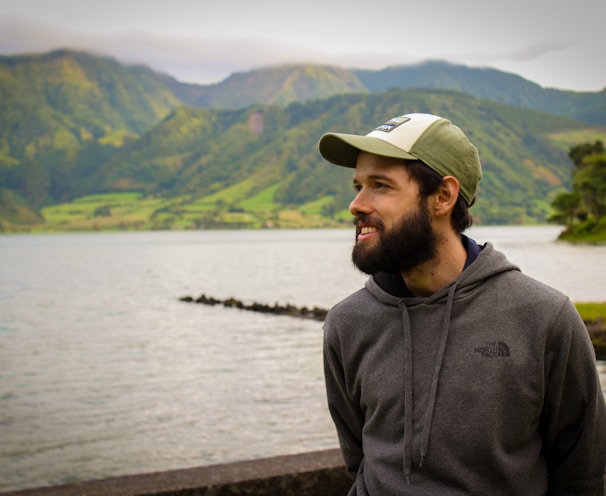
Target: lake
{"points": [[104, 372]]}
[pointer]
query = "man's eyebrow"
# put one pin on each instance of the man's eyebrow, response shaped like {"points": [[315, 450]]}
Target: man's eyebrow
{"points": [[375, 177]]}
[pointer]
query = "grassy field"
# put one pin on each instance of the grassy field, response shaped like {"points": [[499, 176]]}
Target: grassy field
{"points": [[591, 311], [567, 139], [221, 210], [594, 315], [263, 201], [114, 211]]}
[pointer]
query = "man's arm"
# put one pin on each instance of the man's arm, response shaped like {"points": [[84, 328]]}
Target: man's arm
{"points": [[574, 418], [346, 415]]}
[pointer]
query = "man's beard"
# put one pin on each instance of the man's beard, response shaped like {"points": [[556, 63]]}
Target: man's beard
{"points": [[409, 243]]}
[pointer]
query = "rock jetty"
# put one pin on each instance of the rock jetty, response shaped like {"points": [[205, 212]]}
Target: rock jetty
{"points": [[314, 313]]}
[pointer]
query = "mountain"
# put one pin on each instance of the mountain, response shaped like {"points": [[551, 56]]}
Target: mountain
{"points": [[491, 84], [76, 93], [73, 124], [56, 106], [276, 85], [199, 154], [287, 84]]}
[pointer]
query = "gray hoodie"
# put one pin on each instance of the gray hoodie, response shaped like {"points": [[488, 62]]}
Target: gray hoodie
{"points": [[487, 387]]}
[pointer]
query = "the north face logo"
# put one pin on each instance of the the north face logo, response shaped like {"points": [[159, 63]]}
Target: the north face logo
{"points": [[492, 349]]}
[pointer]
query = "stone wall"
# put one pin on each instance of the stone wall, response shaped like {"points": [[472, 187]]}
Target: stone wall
{"points": [[319, 473]]}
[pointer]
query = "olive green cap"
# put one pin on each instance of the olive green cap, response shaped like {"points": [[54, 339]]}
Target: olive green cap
{"points": [[432, 139]]}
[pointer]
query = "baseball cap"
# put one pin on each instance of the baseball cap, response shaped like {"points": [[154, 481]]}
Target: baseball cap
{"points": [[434, 140]]}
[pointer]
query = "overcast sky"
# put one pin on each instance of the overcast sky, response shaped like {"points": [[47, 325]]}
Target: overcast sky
{"points": [[555, 43]]}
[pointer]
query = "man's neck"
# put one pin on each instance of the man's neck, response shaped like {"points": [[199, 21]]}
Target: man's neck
{"points": [[440, 271]]}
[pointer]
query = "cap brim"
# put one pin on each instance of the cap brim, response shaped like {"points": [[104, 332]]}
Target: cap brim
{"points": [[343, 149]]}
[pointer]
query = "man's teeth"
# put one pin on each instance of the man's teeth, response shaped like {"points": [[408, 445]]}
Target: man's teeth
{"points": [[368, 230]]}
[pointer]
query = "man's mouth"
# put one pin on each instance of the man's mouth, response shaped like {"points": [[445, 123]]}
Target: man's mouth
{"points": [[365, 232]]}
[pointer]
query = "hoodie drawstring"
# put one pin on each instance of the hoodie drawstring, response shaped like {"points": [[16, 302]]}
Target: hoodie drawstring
{"points": [[407, 393], [433, 392]]}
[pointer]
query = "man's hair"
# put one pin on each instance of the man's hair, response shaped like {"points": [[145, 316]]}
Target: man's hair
{"points": [[429, 181]]}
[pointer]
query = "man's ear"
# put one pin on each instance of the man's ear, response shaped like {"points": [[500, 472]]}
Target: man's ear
{"points": [[446, 196]]}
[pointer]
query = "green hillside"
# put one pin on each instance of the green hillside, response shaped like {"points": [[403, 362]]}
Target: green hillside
{"points": [[88, 143], [65, 96], [260, 166], [61, 106], [276, 147]]}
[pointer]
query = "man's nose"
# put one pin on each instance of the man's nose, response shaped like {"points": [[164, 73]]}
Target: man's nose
{"points": [[360, 204]]}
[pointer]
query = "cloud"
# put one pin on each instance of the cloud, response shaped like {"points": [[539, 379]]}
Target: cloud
{"points": [[206, 59], [532, 52], [212, 56], [195, 59]]}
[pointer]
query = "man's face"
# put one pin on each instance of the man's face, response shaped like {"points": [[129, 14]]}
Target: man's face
{"points": [[394, 231]]}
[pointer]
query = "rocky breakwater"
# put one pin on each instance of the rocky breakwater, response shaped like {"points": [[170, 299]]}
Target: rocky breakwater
{"points": [[276, 309], [596, 328]]}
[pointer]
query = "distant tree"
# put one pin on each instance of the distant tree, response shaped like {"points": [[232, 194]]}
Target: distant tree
{"points": [[566, 207], [586, 204], [589, 179], [578, 153]]}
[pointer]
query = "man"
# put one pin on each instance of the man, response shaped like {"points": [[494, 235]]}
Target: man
{"points": [[451, 372]]}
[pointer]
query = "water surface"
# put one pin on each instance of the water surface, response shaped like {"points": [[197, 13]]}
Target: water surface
{"points": [[105, 372]]}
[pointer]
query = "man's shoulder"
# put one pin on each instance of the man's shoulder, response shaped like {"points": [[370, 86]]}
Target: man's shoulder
{"points": [[354, 308], [351, 302], [526, 286]]}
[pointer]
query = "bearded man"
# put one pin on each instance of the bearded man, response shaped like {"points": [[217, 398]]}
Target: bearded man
{"points": [[451, 372]]}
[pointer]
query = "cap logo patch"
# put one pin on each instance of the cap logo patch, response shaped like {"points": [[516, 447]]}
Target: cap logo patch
{"points": [[391, 124]]}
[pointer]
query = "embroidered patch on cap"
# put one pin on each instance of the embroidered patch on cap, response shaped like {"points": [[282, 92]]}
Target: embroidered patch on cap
{"points": [[391, 124]]}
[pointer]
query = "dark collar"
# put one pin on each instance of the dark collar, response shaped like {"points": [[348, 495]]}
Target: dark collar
{"points": [[392, 282]]}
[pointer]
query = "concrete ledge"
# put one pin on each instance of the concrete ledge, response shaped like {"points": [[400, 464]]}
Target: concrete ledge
{"points": [[319, 473]]}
